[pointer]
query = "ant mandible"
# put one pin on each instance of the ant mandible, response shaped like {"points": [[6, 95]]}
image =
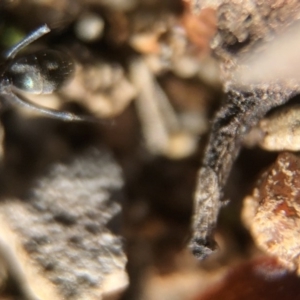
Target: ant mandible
{"points": [[41, 72]]}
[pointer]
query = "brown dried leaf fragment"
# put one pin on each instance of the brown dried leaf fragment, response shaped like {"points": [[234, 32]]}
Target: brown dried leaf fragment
{"points": [[260, 279], [272, 212]]}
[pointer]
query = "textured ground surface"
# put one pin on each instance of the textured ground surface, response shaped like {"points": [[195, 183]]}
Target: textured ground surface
{"points": [[87, 206]]}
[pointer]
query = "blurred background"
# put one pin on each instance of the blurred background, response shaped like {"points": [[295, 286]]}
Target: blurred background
{"points": [[101, 209]]}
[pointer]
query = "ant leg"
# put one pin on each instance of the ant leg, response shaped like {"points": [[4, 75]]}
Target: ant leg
{"points": [[31, 37], [62, 115]]}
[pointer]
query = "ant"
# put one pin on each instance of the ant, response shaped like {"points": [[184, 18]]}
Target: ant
{"points": [[41, 72]]}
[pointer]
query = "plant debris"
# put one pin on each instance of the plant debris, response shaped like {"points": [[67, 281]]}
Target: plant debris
{"points": [[167, 87]]}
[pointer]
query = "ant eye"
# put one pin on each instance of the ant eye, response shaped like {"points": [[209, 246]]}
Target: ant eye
{"points": [[40, 73]]}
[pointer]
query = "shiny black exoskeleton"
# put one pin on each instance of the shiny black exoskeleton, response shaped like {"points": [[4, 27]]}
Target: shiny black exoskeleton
{"points": [[42, 72]]}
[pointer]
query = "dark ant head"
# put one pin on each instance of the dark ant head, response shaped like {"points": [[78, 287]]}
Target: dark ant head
{"points": [[42, 72]]}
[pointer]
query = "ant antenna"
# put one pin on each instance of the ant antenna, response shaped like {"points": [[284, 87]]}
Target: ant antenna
{"points": [[31, 37], [61, 115]]}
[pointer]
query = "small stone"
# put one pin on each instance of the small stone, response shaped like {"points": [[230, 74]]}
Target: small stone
{"points": [[272, 212]]}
